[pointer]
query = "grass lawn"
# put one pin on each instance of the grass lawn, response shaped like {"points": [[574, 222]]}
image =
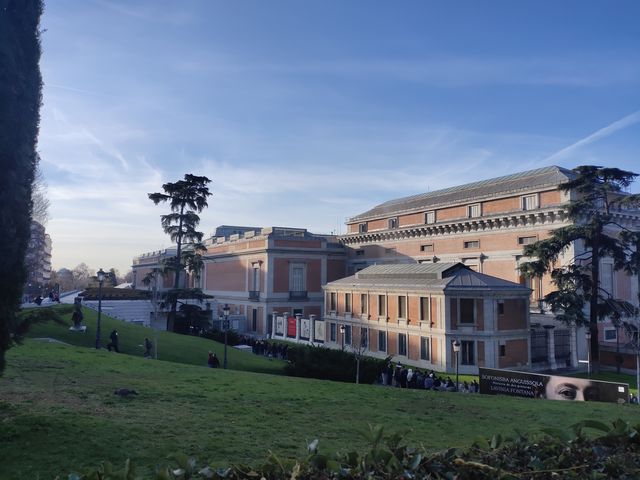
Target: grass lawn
{"points": [[58, 413], [171, 347]]}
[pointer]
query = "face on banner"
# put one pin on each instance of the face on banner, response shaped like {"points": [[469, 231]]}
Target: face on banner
{"points": [[551, 387], [565, 388]]}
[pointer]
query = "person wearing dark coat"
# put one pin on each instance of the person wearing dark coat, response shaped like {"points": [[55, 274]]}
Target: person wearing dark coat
{"points": [[113, 344]]}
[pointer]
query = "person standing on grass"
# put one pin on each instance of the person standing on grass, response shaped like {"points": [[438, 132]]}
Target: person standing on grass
{"points": [[147, 348], [213, 361], [114, 341]]}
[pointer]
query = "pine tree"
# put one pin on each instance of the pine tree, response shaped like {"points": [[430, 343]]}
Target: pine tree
{"points": [[20, 99], [186, 199], [595, 233]]}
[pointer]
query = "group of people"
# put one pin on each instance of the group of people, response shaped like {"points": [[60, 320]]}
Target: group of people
{"points": [[403, 377], [262, 347]]}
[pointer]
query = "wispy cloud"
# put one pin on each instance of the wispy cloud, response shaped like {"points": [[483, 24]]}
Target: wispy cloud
{"points": [[604, 132]]}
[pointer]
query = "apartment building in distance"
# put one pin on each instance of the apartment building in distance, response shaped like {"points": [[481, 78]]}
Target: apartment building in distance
{"points": [[485, 225], [38, 260], [259, 271]]}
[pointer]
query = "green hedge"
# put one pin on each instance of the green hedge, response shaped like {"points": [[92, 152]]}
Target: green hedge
{"points": [[328, 364]]}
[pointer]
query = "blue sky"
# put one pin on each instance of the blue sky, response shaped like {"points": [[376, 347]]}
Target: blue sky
{"points": [[304, 113]]}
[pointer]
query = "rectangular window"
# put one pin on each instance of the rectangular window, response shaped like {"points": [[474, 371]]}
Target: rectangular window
{"points": [[382, 341], [362, 228], [347, 303], [474, 210], [606, 278], [467, 353], [255, 278], [402, 344], [402, 307], [364, 337], [347, 334], [530, 202], [393, 223], [425, 353], [503, 350], [472, 244], [359, 253], [364, 303], [298, 277], [527, 240], [426, 248], [333, 332], [610, 334], [425, 309], [333, 301], [430, 217], [382, 306], [467, 310], [500, 308]]}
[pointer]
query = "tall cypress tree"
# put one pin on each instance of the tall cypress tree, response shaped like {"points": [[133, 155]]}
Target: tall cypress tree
{"points": [[20, 100]]}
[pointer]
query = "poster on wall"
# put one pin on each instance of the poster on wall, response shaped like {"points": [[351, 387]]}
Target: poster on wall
{"points": [[280, 326], [551, 387], [291, 327], [318, 331], [305, 328]]}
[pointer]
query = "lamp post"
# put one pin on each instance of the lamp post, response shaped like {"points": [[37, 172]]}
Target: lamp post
{"points": [[456, 350], [225, 325], [587, 336], [342, 330], [101, 275]]}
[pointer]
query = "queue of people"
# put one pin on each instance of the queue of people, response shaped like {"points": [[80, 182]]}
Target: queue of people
{"points": [[267, 349], [402, 377]]}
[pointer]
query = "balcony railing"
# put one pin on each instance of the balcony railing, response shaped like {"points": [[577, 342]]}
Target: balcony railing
{"points": [[297, 295], [254, 295]]}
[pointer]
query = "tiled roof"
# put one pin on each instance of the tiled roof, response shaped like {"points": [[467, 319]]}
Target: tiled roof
{"points": [[523, 181], [425, 276]]}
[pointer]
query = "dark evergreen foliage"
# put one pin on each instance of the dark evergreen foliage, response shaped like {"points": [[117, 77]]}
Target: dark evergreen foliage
{"points": [[186, 199], [328, 364], [599, 196], [20, 100]]}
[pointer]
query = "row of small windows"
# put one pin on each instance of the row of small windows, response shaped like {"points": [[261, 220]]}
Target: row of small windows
{"points": [[424, 305], [430, 248], [527, 202]]}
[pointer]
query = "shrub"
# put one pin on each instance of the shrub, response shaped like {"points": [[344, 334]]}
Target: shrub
{"points": [[615, 454], [327, 364]]}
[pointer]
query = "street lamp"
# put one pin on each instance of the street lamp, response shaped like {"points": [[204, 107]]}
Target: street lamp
{"points": [[342, 329], [456, 350], [587, 336], [101, 275], [225, 325]]}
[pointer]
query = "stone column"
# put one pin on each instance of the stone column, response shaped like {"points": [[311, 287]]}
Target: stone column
{"points": [[551, 347], [274, 319], [312, 334], [573, 345], [298, 317]]}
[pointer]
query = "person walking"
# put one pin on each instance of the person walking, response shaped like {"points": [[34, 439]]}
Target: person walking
{"points": [[113, 344]]}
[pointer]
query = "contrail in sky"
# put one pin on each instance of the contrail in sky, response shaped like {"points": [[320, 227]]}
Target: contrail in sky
{"points": [[602, 133]]}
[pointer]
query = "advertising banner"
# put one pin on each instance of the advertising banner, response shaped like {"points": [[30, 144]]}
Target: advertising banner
{"points": [[291, 327], [551, 387], [318, 331], [280, 326], [305, 328]]}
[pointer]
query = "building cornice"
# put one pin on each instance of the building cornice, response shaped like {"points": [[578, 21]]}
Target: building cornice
{"points": [[547, 216]]}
